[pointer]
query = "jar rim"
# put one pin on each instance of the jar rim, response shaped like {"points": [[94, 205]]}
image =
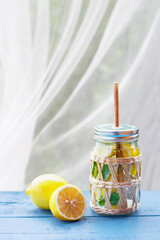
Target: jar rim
{"points": [[108, 132]]}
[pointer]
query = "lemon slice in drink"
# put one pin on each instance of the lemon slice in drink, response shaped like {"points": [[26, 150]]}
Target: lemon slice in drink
{"points": [[68, 203]]}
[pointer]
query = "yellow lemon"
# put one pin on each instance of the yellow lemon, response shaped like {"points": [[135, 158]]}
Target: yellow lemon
{"points": [[42, 187], [133, 171], [100, 150], [99, 194], [68, 203], [105, 150], [129, 150]]}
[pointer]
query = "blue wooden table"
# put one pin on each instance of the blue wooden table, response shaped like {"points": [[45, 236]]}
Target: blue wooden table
{"points": [[21, 220]]}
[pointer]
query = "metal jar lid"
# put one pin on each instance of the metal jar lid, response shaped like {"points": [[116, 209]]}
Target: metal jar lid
{"points": [[110, 133]]}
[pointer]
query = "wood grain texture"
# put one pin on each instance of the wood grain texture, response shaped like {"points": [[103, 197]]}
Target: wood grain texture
{"points": [[20, 219], [87, 228], [17, 204]]}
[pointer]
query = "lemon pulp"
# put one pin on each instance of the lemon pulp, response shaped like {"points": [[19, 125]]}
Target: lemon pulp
{"points": [[68, 203]]}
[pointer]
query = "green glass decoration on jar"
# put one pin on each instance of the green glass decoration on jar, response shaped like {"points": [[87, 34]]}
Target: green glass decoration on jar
{"points": [[115, 170]]}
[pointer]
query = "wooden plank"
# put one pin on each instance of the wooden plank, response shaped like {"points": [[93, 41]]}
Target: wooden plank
{"points": [[19, 205], [87, 228]]}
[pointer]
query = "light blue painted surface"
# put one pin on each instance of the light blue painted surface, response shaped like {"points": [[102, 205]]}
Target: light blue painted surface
{"points": [[21, 220]]}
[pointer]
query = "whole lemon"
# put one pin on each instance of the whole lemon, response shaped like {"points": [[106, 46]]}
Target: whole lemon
{"points": [[42, 187]]}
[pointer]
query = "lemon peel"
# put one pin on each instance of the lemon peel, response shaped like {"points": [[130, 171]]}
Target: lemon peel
{"points": [[42, 187]]}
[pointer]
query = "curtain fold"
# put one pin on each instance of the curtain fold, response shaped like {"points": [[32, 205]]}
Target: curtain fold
{"points": [[58, 62]]}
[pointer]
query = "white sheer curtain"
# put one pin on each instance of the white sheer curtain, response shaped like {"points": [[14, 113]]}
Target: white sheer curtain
{"points": [[58, 60]]}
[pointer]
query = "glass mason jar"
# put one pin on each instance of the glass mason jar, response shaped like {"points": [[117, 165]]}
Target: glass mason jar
{"points": [[115, 170]]}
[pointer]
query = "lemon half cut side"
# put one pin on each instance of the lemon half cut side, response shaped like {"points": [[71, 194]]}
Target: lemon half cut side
{"points": [[68, 203]]}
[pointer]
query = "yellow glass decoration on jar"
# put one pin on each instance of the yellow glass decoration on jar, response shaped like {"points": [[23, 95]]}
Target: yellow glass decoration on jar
{"points": [[115, 170]]}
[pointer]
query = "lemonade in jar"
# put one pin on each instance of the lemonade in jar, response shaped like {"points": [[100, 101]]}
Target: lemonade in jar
{"points": [[115, 167]]}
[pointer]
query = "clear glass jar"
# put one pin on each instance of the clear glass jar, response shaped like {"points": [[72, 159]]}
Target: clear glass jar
{"points": [[115, 171]]}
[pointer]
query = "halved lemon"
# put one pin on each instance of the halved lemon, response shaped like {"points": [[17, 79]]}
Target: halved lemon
{"points": [[68, 203]]}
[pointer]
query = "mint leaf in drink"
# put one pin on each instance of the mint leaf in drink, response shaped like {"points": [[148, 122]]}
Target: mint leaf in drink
{"points": [[114, 198], [95, 170], [102, 202], [105, 172]]}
